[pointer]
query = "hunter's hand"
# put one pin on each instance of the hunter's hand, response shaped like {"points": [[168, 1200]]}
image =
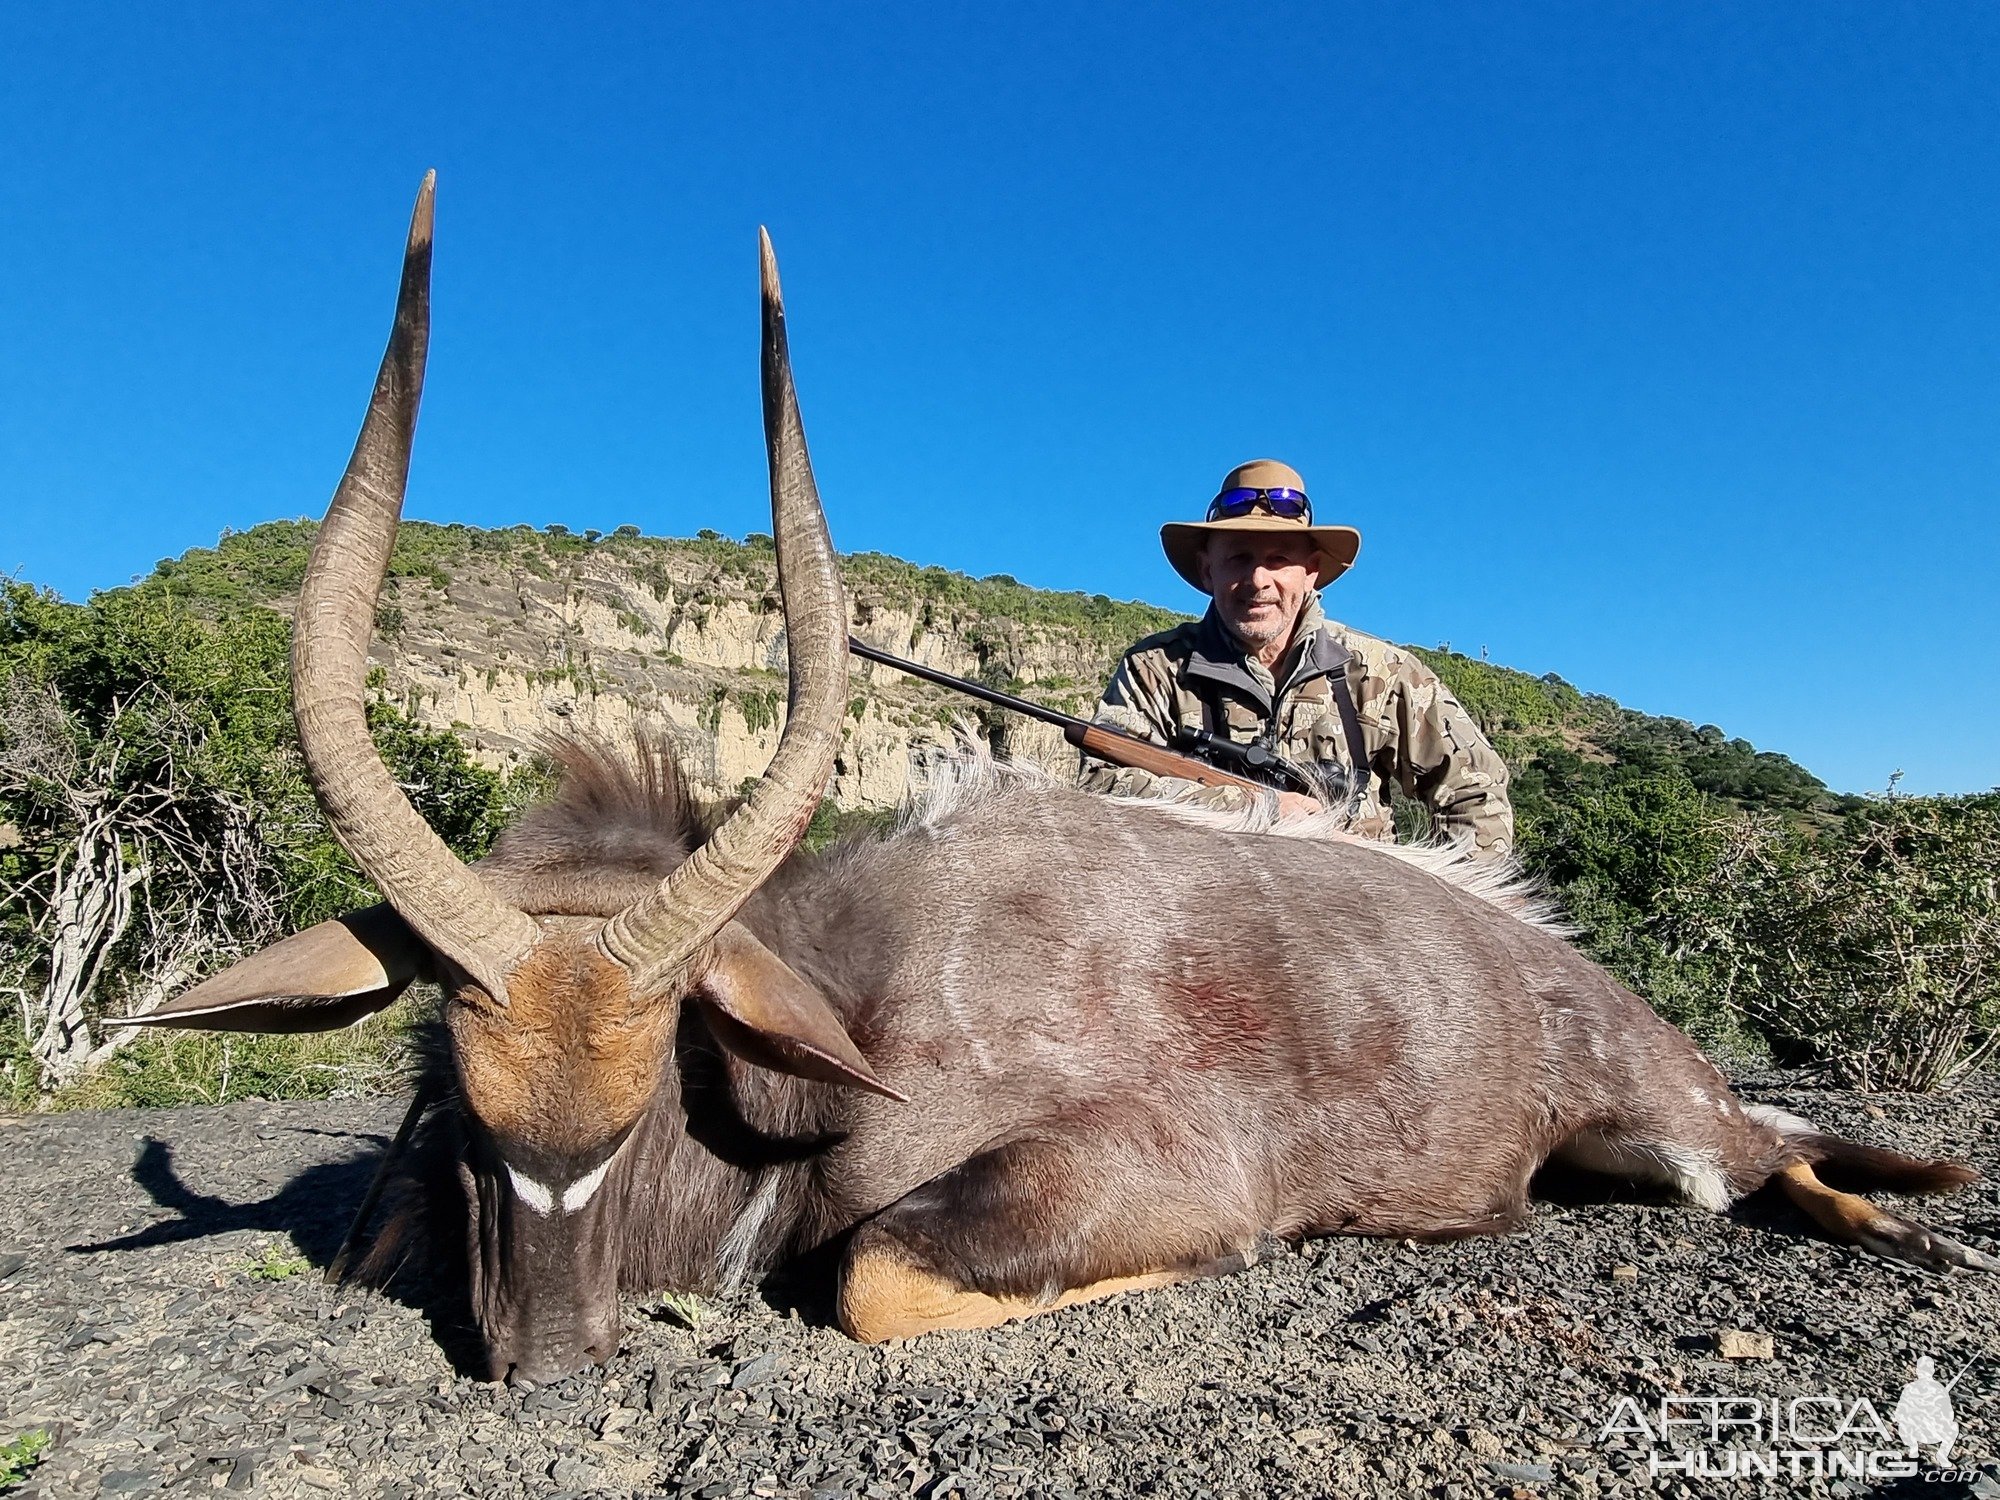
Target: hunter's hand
{"points": [[1296, 805]]}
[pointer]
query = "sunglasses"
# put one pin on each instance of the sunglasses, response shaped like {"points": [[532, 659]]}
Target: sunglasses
{"points": [[1292, 505]]}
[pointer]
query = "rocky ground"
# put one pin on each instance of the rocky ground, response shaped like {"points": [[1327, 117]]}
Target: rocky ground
{"points": [[163, 1319]]}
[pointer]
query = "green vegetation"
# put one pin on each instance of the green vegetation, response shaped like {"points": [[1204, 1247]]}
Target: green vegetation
{"points": [[830, 825], [683, 1309], [155, 821], [710, 714], [160, 1069], [272, 1264], [1751, 905], [1562, 743], [18, 1457], [760, 708], [1870, 948], [940, 595], [154, 809], [267, 563]]}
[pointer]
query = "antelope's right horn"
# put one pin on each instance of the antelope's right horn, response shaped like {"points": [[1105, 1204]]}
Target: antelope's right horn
{"points": [[447, 904]]}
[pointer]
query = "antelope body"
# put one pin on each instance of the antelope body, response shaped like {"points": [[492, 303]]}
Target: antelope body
{"points": [[1035, 1046]]}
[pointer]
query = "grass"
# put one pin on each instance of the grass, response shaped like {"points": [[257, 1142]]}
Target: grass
{"points": [[18, 1457], [272, 1264], [212, 1067]]}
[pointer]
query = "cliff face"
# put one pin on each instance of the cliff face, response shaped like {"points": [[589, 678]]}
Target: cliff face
{"points": [[508, 636]]}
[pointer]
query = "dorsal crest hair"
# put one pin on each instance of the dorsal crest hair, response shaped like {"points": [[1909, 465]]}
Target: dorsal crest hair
{"points": [[955, 783], [619, 822]]}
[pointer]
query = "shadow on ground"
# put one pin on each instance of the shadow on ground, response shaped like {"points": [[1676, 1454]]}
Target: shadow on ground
{"points": [[313, 1210]]}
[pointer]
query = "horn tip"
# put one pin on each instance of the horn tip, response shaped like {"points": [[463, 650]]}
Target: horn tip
{"points": [[767, 260], [421, 217]]}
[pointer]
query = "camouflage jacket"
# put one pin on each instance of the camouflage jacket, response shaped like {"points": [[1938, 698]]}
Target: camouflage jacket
{"points": [[1413, 733]]}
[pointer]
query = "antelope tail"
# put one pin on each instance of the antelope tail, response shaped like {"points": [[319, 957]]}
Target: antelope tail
{"points": [[1858, 1168]]}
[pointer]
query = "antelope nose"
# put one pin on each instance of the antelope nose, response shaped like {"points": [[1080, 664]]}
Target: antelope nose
{"points": [[537, 1370], [527, 1371]]}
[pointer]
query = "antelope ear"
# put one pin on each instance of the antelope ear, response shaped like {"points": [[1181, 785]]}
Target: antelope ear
{"points": [[321, 979], [763, 1012]]}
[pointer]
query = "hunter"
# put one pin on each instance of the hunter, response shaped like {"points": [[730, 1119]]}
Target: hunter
{"points": [[1266, 666]]}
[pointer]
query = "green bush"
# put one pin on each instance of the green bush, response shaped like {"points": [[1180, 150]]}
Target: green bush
{"points": [[159, 740], [18, 1457], [1873, 950], [1632, 861]]}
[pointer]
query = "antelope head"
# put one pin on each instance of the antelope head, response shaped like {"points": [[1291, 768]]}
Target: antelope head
{"points": [[561, 1022]]}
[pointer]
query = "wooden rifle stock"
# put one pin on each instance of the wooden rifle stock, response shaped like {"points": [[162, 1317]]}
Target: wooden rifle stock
{"points": [[1142, 755]]}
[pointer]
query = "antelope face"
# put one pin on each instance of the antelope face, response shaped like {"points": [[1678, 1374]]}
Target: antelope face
{"points": [[554, 1086], [559, 1083]]}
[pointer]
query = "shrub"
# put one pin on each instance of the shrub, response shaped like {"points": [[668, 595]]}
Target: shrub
{"points": [[1875, 950], [155, 822], [1633, 863], [19, 1455], [1871, 948]]}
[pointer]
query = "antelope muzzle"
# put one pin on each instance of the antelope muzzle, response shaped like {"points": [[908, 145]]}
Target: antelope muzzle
{"points": [[544, 1255]]}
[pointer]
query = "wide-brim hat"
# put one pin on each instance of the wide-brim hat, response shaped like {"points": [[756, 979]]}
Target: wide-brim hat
{"points": [[1184, 541]]}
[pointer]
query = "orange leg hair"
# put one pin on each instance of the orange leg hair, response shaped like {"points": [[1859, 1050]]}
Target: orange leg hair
{"points": [[1854, 1220]]}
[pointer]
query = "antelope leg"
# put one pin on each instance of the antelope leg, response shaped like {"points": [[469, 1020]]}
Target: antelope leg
{"points": [[1853, 1219], [1028, 1228]]}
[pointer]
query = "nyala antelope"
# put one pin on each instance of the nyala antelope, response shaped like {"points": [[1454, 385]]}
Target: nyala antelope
{"points": [[1034, 1047]]}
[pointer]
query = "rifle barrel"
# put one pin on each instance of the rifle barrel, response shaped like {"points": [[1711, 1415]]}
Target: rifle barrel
{"points": [[1093, 739], [967, 686]]}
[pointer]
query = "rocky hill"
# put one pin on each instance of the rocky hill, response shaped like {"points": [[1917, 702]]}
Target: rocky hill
{"points": [[504, 635]]}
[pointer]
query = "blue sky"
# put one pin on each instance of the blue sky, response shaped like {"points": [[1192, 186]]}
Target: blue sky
{"points": [[1658, 346]]}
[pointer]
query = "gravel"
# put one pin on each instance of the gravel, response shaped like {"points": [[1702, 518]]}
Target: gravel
{"points": [[154, 1320]]}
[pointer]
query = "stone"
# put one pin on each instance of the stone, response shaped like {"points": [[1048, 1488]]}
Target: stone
{"points": [[1484, 1443], [573, 1473], [1736, 1343], [1523, 1473], [756, 1371]]}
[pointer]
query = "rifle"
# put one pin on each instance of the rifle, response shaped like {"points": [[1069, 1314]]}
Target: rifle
{"points": [[1263, 768]]}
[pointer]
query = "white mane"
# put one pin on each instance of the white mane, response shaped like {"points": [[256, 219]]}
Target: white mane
{"points": [[969, 775]]}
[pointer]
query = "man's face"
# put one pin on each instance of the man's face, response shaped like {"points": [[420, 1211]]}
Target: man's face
{"points": [[1259, 580]]}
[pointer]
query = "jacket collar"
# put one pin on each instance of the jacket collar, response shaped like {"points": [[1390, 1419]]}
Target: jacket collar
{"points": [[1218, 659]]}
